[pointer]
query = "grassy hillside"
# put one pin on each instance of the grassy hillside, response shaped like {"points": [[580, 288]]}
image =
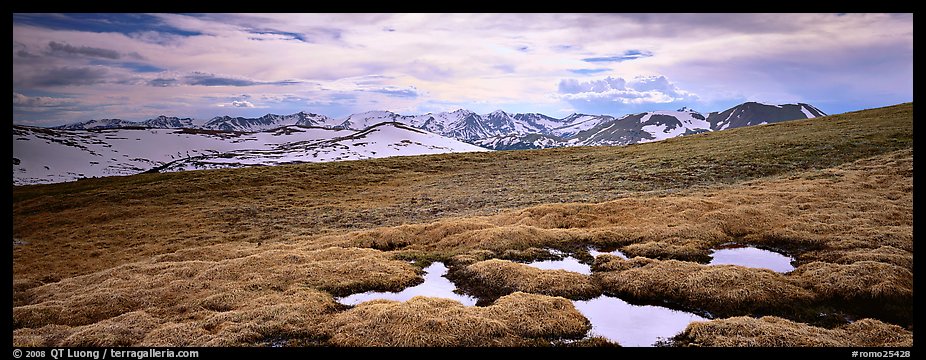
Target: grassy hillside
{"points": [[210, 247]]}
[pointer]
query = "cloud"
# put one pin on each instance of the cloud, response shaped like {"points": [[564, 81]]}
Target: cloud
{"points": [[616, 91], [20, 100], [66, 49], [204, 79], [163, 82], [628, 55], [272, 34], [26, 54], [242, 103], [70, 76], [588, 71], [495, 60], [403, 93]]}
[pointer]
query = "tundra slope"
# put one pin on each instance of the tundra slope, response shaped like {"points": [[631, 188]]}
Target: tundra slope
{"points": [[835, 193]]}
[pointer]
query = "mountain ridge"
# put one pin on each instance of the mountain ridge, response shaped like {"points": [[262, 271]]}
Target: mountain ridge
{"points": [[500, 130]]}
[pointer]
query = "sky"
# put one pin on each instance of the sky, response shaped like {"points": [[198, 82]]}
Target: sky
{"points": [[77, 67]]}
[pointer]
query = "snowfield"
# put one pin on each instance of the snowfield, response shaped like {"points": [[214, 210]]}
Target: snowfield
{"points": [[49, 156]]}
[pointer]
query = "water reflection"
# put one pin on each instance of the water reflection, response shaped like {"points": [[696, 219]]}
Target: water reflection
{"points": [[568, 263], [632, 325], [752, 257], [617, 253], [434, 285]]}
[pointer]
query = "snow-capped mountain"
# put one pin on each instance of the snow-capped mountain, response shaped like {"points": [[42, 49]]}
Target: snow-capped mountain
{"points": [[460, 124], [269, 122], [754, 113], [312, 120], [160, 122], [520, 142], [43, 155], [119, 147], [266, 122], [575, 123], [660, 125], [366, 119], [99, 124], [167, 122]]}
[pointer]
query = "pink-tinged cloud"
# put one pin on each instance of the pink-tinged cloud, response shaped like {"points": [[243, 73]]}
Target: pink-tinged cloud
{"points": [[137, 66]]}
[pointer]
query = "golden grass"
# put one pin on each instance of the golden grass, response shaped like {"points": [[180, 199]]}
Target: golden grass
{"points": [[872, 288], [514, 320], [238, 300], [771, 331], [81, 227], [863, 279], [494, 278], [883, 254], [247, 256], [722, 290]]}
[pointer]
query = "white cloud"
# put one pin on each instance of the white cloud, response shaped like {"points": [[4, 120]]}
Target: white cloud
{"points": [[238, 103], [639, 90]]}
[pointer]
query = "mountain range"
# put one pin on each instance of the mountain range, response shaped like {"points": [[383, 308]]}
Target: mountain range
{"points": [[500, 130], [118, 147]]}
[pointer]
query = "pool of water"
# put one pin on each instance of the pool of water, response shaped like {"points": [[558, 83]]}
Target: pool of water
{"points": [[568, 263], [752, 257], [632, 325], [434, 285], [617, 253]]}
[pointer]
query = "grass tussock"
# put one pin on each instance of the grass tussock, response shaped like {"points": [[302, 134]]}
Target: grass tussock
{"points": [[772, 331], [516, 319], [868, 288], [237, 301], [124, 330], [883, 254], [860, 280], [723, 290], [494, 278], [697, 251], [177, 334]]}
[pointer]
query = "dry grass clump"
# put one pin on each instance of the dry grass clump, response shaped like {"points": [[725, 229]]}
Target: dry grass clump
{"points": [[516, 319], [491, 279], [294, 314], [774, 331], [723, 290], [883, 254], [860, 280], [177, 334], [592, 341], [868, 288], [276, 292], [45, 336], [124, 330], [696, 251]]}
